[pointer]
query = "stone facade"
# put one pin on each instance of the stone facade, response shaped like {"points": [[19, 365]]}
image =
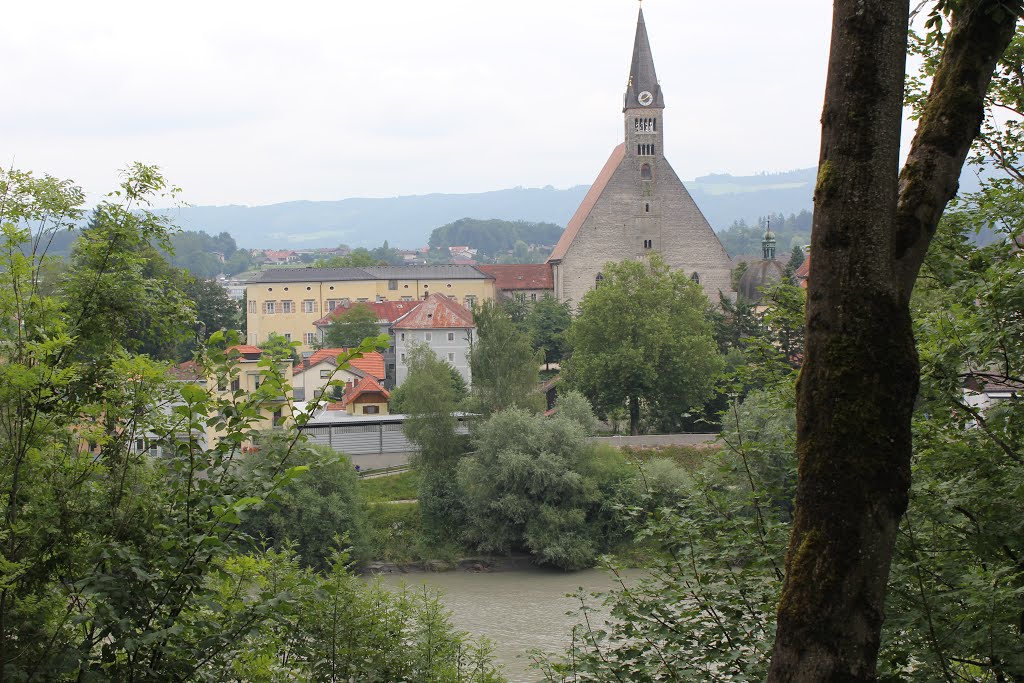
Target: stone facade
{"points": [[638, 206]]}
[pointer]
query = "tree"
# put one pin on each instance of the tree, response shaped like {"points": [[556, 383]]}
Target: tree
{"points": [[548, 320], [860, 375], [358, 258], [536, 484], [277, 346], [430, 399], [314, 512], [505, 368], [642, 339], [796, 258], [351, 327]]}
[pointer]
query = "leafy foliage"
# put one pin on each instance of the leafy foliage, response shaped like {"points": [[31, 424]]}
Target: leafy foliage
{"points": [[349, 329], [535, 484], [116, 565], [493, 237], [504, 366], [642, 339]]}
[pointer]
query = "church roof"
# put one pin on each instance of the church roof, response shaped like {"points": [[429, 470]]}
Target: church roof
{"points": [[642, 76], [580, 217]]}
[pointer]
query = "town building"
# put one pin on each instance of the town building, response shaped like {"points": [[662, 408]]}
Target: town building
{"points": [[760, 273], [289, 301], [445, 326], [638, 205], [522, 281], [312, 374], [387, 313]]}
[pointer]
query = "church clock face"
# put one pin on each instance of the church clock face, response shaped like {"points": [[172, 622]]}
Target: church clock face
{"points": [[645, 98]]}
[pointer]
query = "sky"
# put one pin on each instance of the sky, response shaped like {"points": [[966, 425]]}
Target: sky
{"points": [[258, 102]]}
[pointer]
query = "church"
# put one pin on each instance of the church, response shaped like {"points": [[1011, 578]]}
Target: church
{"points": [[638, 206]]}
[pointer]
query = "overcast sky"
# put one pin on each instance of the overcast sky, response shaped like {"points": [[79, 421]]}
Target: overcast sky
{"points": [[256, 103]]}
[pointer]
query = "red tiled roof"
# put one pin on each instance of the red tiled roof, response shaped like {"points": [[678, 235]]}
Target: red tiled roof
{"points": [[804, 271], [371, 364], [436, 312], [387, 311], [520, 276], [367, 385], [188, 371], [580, 217], [246, 349]]}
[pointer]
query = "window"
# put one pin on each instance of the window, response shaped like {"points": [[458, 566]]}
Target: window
{"points": [[451, 357], [403, 357], [310, 337], [451, 336], [470, 301], [362, 300], [371, 410], [236, 384], [428, 337], [222, 384], [402, 336], [647, 208], [695, 277], [288, 336], [392, 284], [332, 304], [270, 307], [406, 298], [287, 307], [533, 296], [648, 244], [252, 306], [309, 306], [645, 174], [324, 374]]}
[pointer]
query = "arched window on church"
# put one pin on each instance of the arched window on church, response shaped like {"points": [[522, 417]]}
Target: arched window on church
{"points": [[598, 280], [645, 172], [695, 277]]}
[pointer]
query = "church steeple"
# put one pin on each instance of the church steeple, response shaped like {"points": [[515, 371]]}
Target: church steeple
{"points": [[642, 90]]}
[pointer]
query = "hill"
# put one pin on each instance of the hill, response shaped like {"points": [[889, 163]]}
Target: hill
{"points": [[408, 221]]}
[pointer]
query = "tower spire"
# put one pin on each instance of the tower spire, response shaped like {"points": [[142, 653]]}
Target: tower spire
{"points": [[642, 76]]}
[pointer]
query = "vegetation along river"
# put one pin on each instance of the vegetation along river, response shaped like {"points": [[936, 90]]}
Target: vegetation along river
{"points": [[518, 609]]}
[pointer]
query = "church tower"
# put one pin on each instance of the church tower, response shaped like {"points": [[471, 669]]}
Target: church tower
{"points": [[638, 205]]}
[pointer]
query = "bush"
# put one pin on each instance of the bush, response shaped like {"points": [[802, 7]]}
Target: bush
{"points": [[313, 510]]}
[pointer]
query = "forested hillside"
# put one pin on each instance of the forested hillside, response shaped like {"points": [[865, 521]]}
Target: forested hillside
{"points": [[495, 237]]}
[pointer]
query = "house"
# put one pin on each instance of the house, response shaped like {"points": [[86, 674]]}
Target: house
{"points": [[387, 313], [523, 281], [246, 375], [444, 325], [312, 374], [365, 397], [289, 301], [279, 257]]}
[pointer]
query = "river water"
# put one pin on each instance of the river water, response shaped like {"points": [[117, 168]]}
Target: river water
{"points": [[518, 609]]}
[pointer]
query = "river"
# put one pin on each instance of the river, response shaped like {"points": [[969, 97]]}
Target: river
{"points": [[518, 609]]}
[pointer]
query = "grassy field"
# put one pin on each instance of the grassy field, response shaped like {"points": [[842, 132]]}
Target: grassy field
{"points": [[395, 487]]}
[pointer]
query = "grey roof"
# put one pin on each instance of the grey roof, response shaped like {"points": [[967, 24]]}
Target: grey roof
{"points": [[641, 72], [311, 274], [441, 272]]}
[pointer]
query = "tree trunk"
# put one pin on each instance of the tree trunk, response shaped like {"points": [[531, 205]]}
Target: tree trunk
{"points": [[860, 374], [634, 416]]}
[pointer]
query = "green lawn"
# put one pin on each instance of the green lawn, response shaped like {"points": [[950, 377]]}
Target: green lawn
{"points": [[402, 486]]}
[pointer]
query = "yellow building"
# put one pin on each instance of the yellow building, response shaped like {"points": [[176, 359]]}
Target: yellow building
{"points": [[289, 301], [246, 376]]}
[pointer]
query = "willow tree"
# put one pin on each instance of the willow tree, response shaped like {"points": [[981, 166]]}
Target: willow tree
{"points": [[872, 228]]}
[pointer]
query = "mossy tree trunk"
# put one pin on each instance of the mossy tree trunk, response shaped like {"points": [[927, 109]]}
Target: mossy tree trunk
{"points": [[872, 228]]}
